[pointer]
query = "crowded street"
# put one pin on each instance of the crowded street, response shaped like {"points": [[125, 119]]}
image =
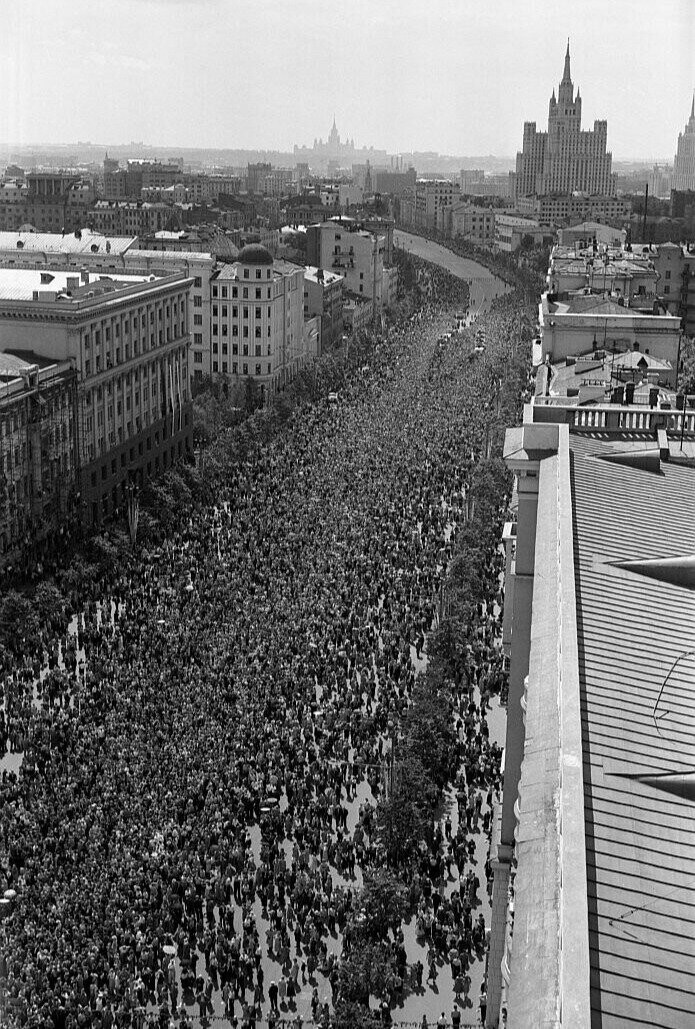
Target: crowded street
{"points": [[193, 767]]}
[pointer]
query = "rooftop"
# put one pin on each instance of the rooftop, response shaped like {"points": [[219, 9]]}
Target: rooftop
{"points": [[328, 277], [82, 242], [59, 286], [637, 686]]}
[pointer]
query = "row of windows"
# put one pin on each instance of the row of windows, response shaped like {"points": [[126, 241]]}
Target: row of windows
{"points": [[223, 292], [235, 331]]}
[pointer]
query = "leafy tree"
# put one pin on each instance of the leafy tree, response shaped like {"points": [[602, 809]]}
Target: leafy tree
{"points": [[381, 904], [352, 1015], [402, 817], [368, 971]]}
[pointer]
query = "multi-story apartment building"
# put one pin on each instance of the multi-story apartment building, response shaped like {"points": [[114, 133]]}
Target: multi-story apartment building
{"points": [[471, 222], [132, 218], [684, 162], [566, 210], [256, 175], [432, 196], [47, 201], [341, 245], [257, 320], [395, 182], [323, 297], [38, 450], [120, 255], [126, 338], [564, 159]]}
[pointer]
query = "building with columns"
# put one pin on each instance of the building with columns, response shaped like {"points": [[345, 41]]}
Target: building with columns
{"points": [[126, 338], [683, 177], [564, 159]]}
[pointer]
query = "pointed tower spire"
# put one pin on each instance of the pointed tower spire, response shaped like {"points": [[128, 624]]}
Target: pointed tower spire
{"points": [[566, 74]]}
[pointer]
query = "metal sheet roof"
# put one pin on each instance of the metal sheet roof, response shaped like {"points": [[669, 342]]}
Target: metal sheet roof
{"points": [[637, 719]]}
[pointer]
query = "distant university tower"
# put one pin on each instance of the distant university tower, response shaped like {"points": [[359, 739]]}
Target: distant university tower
{"points": [[684, 161], [564, 159]]}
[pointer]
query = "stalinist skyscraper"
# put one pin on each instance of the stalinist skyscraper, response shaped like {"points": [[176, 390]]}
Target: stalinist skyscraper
{"points": [[684, 161], [564, 159]]}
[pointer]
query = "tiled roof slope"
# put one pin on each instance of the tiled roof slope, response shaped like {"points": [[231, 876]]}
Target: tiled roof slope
{"points": [[637, 719]]}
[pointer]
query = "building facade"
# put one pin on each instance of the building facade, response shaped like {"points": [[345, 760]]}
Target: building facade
{"points": [[564, 159], [432, 198], [127, 340], [511, 230], [566, 210], [344, 247], [38, 451], [684, 162], [474, 223], [120, 255], [47, 201], [257, 327], [323, 297]]}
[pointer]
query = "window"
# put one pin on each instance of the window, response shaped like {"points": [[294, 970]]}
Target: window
{"points": [[198, 338], [224, 292], [235, 330], [245, 293], [197, 357], [258, 369], [214, 310], [246, 275], [214, 366], [214, 291], [246, 332], [198, 282], [235, 348], [198, 319], [258, 292], [246, 369], [214, 328], [197, 301], [235, 292], [234, 368]]}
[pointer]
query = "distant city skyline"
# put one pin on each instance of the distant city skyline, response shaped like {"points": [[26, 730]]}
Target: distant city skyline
{"points": [[451, 78]]}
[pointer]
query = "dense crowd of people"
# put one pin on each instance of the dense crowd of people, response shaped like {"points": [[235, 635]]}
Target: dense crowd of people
{"points": [[202, 751]]}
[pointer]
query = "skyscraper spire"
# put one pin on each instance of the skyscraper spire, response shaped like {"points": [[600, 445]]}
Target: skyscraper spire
{"points": [[566, 74]]}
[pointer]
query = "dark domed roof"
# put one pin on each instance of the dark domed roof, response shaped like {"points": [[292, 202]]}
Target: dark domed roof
{"points": [[254, 253]]}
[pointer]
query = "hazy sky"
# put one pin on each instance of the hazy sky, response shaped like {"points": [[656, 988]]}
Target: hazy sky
{"points": [[455, 76]]}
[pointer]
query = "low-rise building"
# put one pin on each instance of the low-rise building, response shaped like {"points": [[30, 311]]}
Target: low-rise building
{"points": [[511, 232], [258, 319], [126, 337], [579, 323], [358, 313], [622, 271], [323, 297]]}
